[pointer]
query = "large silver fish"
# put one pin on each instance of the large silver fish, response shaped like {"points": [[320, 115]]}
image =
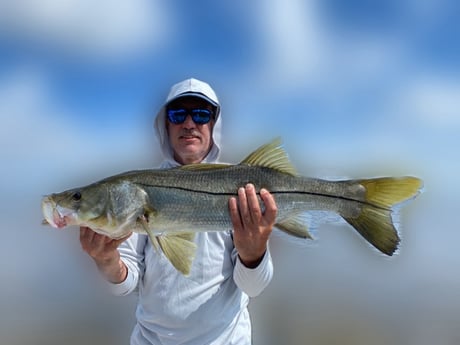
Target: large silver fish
{"points": [[171, 205]]}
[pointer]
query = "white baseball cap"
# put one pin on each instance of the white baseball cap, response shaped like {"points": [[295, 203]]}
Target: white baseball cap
{"points": [[196, 88]]}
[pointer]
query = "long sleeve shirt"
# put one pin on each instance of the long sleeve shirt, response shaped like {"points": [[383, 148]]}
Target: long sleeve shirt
{"points": [[207, 307]]}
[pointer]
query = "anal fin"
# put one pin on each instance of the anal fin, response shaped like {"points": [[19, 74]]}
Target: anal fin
{"points": [[294, 226]]}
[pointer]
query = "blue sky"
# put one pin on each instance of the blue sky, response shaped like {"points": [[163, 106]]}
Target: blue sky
{"points": [[354, 88]]}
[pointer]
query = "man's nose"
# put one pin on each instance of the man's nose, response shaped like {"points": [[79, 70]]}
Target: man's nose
{"points": [[188, 123]]}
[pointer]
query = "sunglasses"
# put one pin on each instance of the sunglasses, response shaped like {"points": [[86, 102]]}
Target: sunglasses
{"points": [[200, 116]]}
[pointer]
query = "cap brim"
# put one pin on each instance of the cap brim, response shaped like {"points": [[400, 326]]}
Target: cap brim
{"points": [[197, 95]]}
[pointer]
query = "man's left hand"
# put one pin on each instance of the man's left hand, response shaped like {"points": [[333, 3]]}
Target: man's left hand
{"points": [[252, 228]]}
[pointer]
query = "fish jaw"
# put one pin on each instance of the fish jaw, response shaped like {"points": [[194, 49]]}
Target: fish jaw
{"points": [[55, 215]]}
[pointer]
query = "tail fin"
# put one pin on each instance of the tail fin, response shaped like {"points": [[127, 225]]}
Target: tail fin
{"points": [[374, 222]]}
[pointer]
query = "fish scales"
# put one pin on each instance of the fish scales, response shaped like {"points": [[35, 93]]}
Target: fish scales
{"points": [[202, 205]]}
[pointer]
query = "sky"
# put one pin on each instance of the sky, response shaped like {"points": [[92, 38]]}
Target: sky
{"points": [[354, 89]]}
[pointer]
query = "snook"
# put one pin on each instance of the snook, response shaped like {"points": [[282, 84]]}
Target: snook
{"points": [[171, 205]]}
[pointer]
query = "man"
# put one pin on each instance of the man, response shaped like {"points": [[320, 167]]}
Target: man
{"points": [[210, 305]]}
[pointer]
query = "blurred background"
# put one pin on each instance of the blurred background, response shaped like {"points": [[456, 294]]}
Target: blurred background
{"points": [[355, 89]]}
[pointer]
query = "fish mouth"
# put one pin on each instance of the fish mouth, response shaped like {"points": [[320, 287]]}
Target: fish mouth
{"points": [[55, 216]]}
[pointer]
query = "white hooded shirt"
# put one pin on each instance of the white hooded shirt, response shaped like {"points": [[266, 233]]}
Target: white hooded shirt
{"points": [[210, 305]]}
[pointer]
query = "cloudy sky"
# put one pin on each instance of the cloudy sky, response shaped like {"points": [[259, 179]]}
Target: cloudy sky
{"points": [[354, 89]]}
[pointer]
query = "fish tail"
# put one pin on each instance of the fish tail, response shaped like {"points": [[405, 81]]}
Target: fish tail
{"points": [[375, 222]]}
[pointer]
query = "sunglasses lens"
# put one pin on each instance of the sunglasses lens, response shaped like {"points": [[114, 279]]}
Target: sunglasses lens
{"points": [[201, 116], [177, 116]]}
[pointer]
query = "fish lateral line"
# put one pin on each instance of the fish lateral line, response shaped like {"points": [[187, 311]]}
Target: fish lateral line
{"points": [[273, 192], [339, 197]]}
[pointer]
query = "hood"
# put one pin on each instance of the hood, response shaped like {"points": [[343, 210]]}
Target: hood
{"points": [[188, 87]]}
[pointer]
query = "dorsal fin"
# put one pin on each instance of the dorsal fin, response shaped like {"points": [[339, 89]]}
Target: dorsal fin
{"points": [[273, 156], [203, 166]]}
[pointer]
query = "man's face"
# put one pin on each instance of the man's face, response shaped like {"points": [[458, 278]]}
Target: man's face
{"points": [[190, 141]]}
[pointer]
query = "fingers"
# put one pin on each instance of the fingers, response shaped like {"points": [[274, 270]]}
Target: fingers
{"points": [[90, 237], [241, 209], [253, 207], [270, 205], [249, 206], [86, 237], [234, 213], [246, 217], [96, 244], [86, 233], [246, 211]]}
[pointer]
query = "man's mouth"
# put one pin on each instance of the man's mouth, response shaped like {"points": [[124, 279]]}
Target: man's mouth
{"points": [[189, 137]]}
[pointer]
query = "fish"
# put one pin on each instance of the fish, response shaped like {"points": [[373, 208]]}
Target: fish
{"points": [[171, 205]]}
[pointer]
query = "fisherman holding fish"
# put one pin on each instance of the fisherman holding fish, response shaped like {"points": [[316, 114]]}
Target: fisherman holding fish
{"points": [[199, 244], [208, 305]]}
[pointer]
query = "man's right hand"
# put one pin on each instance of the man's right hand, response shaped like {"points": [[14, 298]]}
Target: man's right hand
{"points": [[103, 250]]}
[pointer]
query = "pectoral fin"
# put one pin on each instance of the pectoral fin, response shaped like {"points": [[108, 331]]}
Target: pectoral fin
{"points": [[294, 226], [178, 248]]}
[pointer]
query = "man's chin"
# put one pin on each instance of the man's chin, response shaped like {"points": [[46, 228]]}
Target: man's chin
{"points": [[190, 154]]}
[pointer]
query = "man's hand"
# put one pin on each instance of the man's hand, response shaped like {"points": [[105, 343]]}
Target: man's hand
{"points": [[252, 228], [103, 250]]}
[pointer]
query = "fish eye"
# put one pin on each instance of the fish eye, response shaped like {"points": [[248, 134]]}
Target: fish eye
{"points": [[76, 196]]}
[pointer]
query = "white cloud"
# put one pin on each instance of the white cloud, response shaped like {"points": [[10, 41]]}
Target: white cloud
{"points": [[293, 39], [432, 100], [29, 115], [303, 48], [86, 28]]}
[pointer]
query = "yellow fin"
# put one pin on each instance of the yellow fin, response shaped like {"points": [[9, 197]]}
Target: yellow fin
{"points": [[203, 166], [271, 155], [295, 227], [374, 222], [376, 226], [179, 248], [388, 191]]}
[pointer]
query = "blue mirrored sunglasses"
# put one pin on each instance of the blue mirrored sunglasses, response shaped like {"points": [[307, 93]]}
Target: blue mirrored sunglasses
{"points": [[200, 116]]}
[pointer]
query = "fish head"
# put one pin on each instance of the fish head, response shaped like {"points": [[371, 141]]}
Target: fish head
{"points": [[79, 206]]}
